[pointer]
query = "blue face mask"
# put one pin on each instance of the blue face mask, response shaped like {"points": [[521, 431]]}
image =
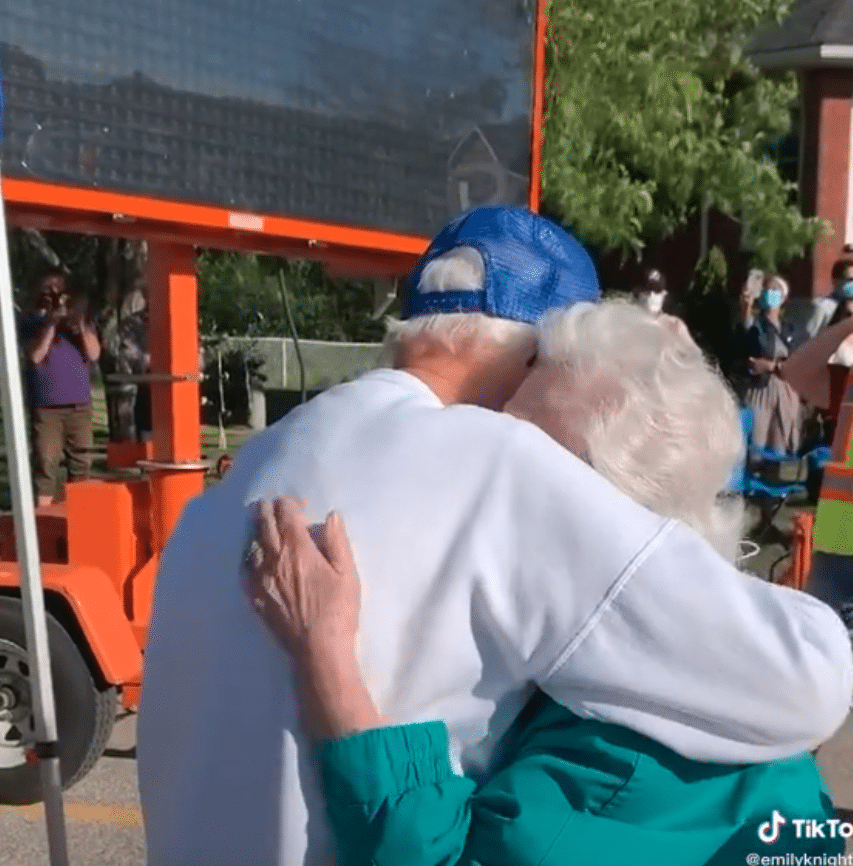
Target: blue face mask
{"points": [[845, 290], [770, 299]]}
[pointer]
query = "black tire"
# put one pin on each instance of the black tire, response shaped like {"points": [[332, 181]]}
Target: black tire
{"points": [[85, 713]]}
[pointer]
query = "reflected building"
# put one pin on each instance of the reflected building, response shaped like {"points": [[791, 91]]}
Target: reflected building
{"points": [[405, 165]]}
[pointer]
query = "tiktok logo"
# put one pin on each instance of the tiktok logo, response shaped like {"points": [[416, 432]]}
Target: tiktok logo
{"points": [[769, 831]]}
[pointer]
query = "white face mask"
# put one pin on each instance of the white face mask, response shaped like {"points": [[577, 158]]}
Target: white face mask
{"points": [[653, 301]]}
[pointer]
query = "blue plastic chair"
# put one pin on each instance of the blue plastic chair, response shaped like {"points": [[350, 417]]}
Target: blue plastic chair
{"points": [[740, 481], [750, 484], [816, 461], [819, 457]]}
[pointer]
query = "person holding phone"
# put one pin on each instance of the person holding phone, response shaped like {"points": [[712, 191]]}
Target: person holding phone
{"points": [[769, 340], [60, 345]]}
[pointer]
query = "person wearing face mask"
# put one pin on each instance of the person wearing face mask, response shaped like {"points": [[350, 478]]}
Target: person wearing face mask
{"points": [[653, 292], [652, 296], [770, 339], [825, 308], [844, 296]]}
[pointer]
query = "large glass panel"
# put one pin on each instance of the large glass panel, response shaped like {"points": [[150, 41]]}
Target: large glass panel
{"points": [[375, 113]]}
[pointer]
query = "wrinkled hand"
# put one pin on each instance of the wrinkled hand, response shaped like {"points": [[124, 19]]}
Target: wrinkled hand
{"points": [[761, 366], [309, 594]]}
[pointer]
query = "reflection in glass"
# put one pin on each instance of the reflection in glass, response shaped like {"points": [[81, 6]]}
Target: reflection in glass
{"points": [[372, 113]]}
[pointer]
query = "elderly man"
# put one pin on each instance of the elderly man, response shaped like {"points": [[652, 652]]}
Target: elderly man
{"points": [[494, 561]]}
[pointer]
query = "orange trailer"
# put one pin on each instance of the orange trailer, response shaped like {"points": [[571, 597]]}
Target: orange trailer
{"points": [[840, 390], [99, 549]]}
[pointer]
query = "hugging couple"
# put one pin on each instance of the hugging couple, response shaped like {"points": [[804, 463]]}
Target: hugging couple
{"points": [[490, 612]]}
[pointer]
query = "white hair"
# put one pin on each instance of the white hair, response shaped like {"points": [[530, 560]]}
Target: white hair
{"points": [[461, 269], [655, 418]]}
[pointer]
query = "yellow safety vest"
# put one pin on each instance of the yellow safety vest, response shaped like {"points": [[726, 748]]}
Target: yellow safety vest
{"points": [[833, 531]]}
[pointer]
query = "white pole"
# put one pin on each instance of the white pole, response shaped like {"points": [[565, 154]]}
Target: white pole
{"points": [[32, 596]]}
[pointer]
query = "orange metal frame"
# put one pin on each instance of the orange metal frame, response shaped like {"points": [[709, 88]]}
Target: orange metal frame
{"points": [[802, 545], [49, 206], [540, 57], [41, 205], [101, 547]]}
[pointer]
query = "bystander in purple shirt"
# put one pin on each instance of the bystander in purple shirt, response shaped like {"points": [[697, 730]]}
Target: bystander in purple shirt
{"points": [[63, 377]]}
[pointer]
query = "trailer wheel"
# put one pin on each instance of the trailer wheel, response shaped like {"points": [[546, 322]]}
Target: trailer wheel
{"points": [[85, 713]]}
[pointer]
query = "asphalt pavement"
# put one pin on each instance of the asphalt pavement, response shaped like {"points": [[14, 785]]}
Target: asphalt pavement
{"points": [[103, 821]]}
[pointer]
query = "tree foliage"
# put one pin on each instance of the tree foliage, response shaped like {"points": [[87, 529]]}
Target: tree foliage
{"points": [[107, 270], [240, 295], [653, 112]]}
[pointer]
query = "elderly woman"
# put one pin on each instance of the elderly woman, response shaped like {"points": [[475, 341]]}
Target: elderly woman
{"points": [[634, 397], [770, 339]]}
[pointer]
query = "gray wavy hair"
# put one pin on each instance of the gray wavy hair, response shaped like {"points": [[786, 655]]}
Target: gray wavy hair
{"points": [[634, 396]]}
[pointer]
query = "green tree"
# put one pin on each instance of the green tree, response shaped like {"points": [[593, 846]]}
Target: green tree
{"points": [[240, 295], [654, 112]]}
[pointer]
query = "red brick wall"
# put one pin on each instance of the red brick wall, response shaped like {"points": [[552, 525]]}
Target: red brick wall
{"points": [[827, 96], [676, 257]]}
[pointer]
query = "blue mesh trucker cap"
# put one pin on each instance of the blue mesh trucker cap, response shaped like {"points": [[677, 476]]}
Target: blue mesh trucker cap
{"points": [[532, 265]]}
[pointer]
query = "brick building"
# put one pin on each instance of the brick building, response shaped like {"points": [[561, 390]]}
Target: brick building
{"points": [[816, 41]]}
